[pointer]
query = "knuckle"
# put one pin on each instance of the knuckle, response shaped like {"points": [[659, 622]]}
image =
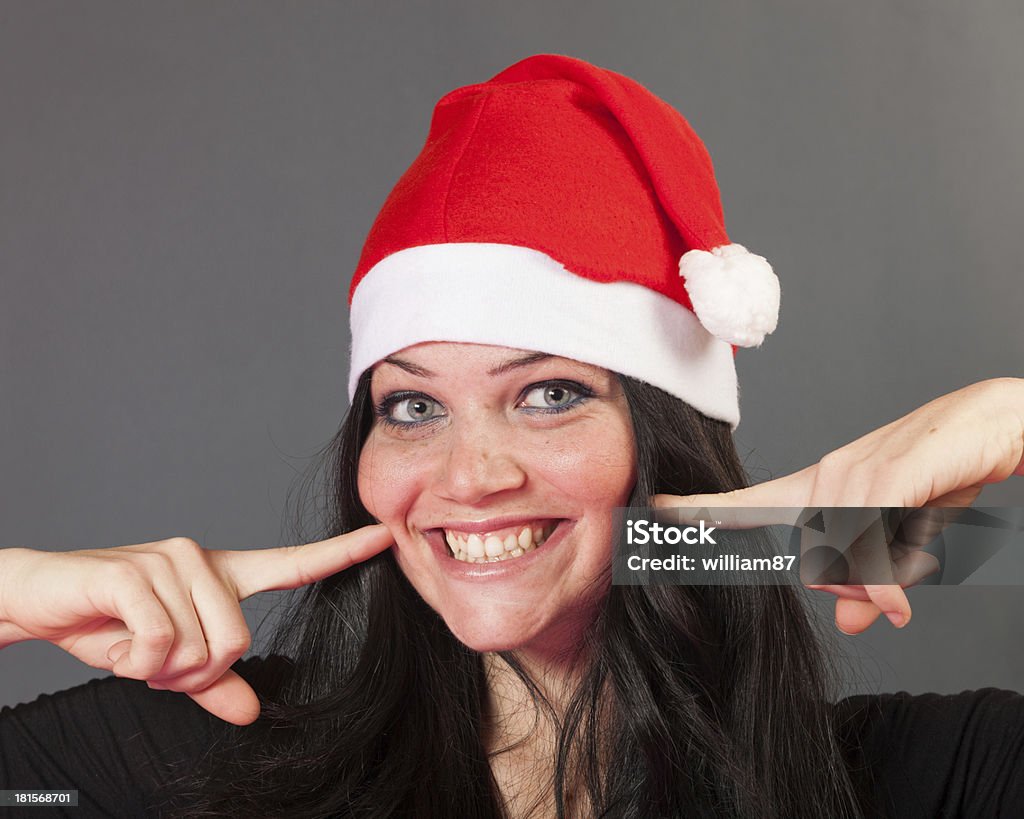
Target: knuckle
{"points": [[834, 470], [156, 635], [155, 562], [124, 573], [834, 461], [235, 642], [183, 546], [829, 477], [296, 556], [189, 658], [998, 384]]}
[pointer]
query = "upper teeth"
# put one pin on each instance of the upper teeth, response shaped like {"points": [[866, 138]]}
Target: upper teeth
{"points": [[491, 547]]}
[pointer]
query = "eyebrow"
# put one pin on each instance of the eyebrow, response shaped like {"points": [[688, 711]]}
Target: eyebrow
{"points": [[516, 363], [501, 369], [409, 367]]}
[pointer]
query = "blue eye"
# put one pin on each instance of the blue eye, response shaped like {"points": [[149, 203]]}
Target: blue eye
{"points": [[554, 396], [406, 410]]}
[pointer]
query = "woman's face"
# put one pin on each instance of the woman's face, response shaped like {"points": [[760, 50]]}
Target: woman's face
{"points": [[497, 471]]}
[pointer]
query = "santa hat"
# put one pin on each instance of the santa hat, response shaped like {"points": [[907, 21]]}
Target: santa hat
{"points": [[564, 208]]}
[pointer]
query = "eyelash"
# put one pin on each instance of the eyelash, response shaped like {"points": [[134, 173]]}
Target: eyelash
{"points": [[583, 392], [383, 409]]}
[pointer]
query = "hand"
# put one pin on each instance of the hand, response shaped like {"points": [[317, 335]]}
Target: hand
{"points": [[166, 612], [940, 455]]}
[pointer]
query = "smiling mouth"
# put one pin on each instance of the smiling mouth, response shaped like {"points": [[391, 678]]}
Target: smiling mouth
{"points": [[501, 544]]}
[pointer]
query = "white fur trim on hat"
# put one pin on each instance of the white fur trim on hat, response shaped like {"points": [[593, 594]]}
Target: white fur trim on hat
{"points": [[513, 296], [734, 293]]}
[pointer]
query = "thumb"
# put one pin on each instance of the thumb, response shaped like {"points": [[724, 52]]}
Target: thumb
{"points": [[854, 616], [230, 698]]}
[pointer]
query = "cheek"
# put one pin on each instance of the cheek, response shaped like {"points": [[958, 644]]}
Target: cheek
{"points": [[388, 480], [597, 469]]}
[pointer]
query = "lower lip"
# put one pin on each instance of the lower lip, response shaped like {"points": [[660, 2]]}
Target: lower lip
{"points": [[499, 569]]}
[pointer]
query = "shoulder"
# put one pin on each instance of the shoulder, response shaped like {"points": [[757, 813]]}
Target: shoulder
{"points": [[113, 695], [115, 740], [122, 709], [938, 754]]}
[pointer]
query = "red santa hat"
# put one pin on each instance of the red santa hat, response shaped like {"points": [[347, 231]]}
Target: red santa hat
{"points": [[564, 208]]}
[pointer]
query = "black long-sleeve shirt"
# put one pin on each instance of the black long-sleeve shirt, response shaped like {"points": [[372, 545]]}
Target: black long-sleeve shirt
{"points": [[117, 741]]}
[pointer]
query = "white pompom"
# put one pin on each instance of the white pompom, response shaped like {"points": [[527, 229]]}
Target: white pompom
{"points": [[734, 293]]}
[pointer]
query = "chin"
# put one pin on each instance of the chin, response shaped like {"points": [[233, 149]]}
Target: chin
{"points": [[484, 637], [521, 628]]}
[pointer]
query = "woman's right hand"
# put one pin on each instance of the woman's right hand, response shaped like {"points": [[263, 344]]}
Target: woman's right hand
{"points": [[166, 612]]}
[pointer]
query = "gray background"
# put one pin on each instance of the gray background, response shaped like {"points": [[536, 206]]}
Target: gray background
{"points": [[185, 187]]}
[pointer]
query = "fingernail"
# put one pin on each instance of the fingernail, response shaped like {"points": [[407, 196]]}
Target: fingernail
{"points": [[118, 650], [896, 618]]}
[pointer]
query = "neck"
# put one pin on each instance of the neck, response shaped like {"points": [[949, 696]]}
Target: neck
{"points": [[513, 715], [521, 731], [521, 735], [555, 665]]}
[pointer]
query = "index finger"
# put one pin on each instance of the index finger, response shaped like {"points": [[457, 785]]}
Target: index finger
{"points": [[781, 501], [288, 567]]}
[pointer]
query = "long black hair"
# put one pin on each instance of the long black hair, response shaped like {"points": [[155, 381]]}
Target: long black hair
{"points": [[695, 700]]}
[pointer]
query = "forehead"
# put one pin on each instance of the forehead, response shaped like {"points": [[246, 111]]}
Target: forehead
{"points": [[447, 359]]}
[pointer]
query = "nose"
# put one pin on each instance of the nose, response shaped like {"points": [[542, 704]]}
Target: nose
{"points": [[479, 462]]}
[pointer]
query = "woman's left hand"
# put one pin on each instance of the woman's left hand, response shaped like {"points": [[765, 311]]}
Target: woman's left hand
{"points": [[940, 455]]}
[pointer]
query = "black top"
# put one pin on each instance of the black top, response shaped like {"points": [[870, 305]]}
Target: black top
{"points": [[116, 741]]}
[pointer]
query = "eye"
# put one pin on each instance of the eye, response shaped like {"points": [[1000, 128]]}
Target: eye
{"points": [[410, 409], [553, 395]]}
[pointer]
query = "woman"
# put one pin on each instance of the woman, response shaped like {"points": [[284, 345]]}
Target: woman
{"points": [[544, 321]]}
